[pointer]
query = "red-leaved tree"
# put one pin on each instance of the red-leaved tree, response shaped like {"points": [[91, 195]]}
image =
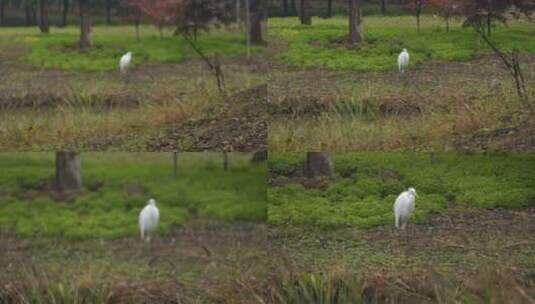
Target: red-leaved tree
{"points": [[187, 17], [416, 7], [447, 9], [160, 13], [482, 13]]}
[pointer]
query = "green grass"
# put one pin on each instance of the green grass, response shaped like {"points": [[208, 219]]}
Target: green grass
{"points": [[364, 192], [385, 37], [59, 49], [202, 191]]}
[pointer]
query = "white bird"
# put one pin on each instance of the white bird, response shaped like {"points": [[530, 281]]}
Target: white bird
{"points": [[403, 60], [125, 61], [404, 207], [148, 219]]}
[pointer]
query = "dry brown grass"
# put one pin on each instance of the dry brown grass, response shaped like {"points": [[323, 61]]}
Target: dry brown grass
{"points": [[463, 255], [52, 109], [198, 263], [428, 108]]}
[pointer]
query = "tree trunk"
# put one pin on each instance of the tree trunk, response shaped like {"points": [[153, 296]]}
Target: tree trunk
{"points": [[383, 7], [354, 22], [293, 6], [255, 23], [259, 156], [306, 19], [318, 164], [108, 11], [447, 24], [489, 23], [34, 15], [238, 12], [68, 177], [418, 13], [137, 28], [175, 164], [28, 14], [329, 8], [225, 160], [65, 13], [43, 16], [418, 22], [86, 39], [285, 8], [2, 11]]}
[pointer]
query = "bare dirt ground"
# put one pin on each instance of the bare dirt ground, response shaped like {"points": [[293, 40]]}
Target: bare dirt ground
{"points": [[485, 253], [239, 124], [212, 263]]}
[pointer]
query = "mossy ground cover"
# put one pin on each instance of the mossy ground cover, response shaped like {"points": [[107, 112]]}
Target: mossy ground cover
{"points": [[117, 185], [367, 185], [59, 49], [318, 46]]}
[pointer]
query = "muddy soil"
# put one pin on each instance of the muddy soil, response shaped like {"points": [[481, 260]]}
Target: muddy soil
{"points": [[463, 238], [485, 255]]}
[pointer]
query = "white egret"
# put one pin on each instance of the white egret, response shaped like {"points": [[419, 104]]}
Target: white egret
{"points": [[404, 207], [403, 60], [125, 61], [148, 219]]}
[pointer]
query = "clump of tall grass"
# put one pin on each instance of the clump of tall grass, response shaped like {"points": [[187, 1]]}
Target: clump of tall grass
{"points": [[35, 286]]}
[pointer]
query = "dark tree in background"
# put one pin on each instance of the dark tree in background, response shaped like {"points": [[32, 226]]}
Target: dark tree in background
{"points": [[175, 164], [479, 15], [293, 7], [355, 20], [257, 17], [30, 15], [259, 157], [86, 38], [482, 13], [65, 13], [329, 8], [318, 164], [108, 11], [446, 9], [68, 174], [305, 16], [199, 15], [416, 6], [383, 7], [285, 8], [225, 160], [43, 17], [2, 11]]}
